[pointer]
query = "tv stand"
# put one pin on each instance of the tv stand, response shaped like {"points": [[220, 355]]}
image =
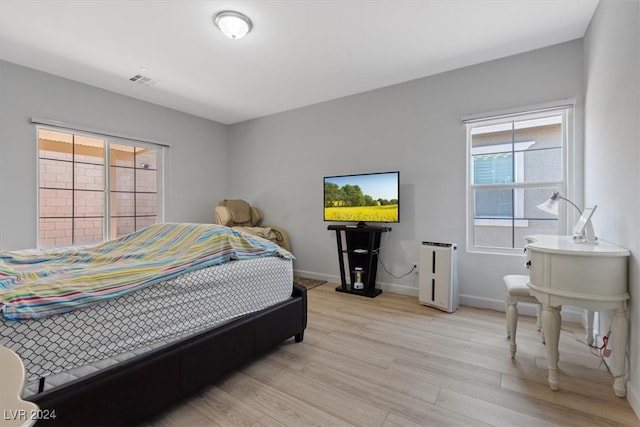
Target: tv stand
{"points": [[362, 244]]}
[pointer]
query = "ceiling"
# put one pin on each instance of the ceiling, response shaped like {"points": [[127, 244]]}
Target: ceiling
{"points": [[300, 52]]}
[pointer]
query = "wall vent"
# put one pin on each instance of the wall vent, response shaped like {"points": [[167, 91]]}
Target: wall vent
{"points": [[143, 80]]}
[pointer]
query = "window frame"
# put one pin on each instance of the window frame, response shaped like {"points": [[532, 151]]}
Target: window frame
{"points": [[566, 186], [107, 189]]}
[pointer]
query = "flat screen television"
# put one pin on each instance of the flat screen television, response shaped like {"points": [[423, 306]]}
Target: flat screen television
{"points": [[362, 198]]}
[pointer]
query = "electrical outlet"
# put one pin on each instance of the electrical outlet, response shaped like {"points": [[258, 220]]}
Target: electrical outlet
{"points": [[415, 267]]}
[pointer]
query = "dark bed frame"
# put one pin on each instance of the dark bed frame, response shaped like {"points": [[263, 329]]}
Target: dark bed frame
{"points": [[134, 391]]}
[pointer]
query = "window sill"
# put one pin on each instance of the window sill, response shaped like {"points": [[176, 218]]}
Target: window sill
{"points": [[519, 223]]}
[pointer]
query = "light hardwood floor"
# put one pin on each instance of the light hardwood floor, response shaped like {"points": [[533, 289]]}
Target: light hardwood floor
{"points": [[389, 361]]}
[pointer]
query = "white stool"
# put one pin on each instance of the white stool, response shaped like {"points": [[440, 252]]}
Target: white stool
{"points": [[516, 290]]}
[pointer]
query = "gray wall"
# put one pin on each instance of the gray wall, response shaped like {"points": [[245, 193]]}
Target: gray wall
{"points": [[197, 159], [278, 162], [612, 148]]}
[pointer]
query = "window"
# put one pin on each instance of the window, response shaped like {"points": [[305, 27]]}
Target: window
{"points": [[515, 163], [92, 188]]}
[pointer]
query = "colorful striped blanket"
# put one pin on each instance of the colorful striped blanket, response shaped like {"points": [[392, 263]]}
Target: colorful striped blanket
{"points": [[33, 286]]}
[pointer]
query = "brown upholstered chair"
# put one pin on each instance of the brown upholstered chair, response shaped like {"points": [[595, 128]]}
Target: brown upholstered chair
{"points": [[242, 216]]}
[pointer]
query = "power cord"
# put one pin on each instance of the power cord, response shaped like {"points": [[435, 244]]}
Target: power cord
{"points": [[605, 352], [380, 261], [601, 352]]}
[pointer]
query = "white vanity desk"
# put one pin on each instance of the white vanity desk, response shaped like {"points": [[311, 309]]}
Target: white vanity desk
{"points": [[591, 276]]}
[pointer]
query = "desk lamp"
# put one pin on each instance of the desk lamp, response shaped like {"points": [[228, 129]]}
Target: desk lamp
{"points": [[583, 229]]}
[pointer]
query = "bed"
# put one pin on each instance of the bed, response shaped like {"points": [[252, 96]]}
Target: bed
{"points": [[121, 360]]}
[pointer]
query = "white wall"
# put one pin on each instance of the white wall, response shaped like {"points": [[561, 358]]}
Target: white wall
{"points": [[612, 147], [278, 162], [197, 160]]}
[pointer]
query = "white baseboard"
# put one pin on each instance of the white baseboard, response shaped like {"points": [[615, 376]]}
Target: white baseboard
{"points": [[524, 309], [492, 304], [399, 289], [569, 314], [316, 276], [633, 396]]}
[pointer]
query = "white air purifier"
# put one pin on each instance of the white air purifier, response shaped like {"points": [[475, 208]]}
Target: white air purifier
{"points": [[438, 276]]}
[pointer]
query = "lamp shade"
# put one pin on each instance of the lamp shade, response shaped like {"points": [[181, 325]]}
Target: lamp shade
{"points": [[232, 24], [550, 205]]}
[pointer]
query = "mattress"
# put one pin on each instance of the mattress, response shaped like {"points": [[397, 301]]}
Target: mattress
{"points": [[64, 347]]}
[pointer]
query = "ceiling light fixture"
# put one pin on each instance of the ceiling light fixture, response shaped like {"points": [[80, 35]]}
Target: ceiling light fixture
{"points": [[234, 25]]}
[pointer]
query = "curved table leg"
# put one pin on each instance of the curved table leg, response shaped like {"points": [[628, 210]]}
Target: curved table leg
{"points": [[620, 336], [551, 328], [539, 321], [512, 326], [589, 335]]}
